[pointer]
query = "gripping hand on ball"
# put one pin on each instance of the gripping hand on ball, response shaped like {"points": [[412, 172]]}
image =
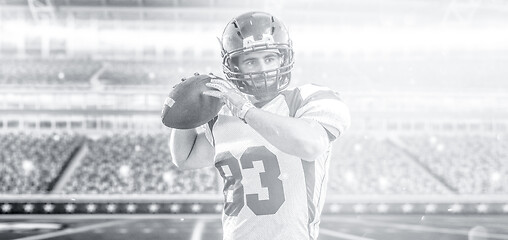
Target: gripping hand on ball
{"points": [[235, 100]]}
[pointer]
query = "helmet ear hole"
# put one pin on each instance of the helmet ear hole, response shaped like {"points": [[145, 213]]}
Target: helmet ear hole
{"points": [[234, 61]]}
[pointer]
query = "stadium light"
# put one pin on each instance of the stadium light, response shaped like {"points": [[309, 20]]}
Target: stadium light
{"points": [[350, 177], [387, 39], [28, 166], [495, 177]]}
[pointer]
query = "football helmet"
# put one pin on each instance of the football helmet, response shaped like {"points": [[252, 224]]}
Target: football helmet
{"points": [[257, 31]]}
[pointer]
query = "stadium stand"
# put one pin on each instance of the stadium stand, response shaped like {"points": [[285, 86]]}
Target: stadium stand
{"points": [[47, 72], [133, 163], [471, 164], [31, 163], [366, 165], [152, 73]]}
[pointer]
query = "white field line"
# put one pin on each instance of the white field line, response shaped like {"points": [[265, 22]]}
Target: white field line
{"points": [[340, 235], [197, 232], [416, 227], [74, 230], [110, 216]]}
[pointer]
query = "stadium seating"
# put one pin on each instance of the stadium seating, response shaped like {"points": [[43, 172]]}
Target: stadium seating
{"points": [[131, 163], [365, 165], [470, 164], [30, 163], [140, 164], [166, 73], [47, 72]]}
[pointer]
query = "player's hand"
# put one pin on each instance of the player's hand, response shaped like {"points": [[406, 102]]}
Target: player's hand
{"points": [[235, 100]]}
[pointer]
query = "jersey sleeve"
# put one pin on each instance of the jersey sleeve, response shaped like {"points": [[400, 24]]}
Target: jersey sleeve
{"points": [[207, 130], [324, 106]]}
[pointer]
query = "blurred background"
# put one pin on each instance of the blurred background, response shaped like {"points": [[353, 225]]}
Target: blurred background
{"points": [[82, 83]]}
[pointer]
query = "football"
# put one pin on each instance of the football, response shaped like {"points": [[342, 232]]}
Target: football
{"points": [[186, 107]]}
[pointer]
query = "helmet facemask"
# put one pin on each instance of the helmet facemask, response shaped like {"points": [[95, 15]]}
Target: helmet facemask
{"points": [[257, 32], [261, 83]]}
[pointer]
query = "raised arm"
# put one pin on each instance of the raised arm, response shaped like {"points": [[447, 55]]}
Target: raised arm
{"points": [[303, 138], [190, 149]]}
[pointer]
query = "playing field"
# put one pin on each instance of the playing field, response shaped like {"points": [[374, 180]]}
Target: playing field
{"points": [[196, 227]]}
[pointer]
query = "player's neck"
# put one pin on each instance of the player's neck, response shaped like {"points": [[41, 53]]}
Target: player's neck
{"points": [[259, 102]]}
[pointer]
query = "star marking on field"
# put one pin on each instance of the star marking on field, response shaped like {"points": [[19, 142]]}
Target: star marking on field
{"points": [[430, 208], [455, 208], [196, 207], [153, 208], [48, 207], [359, 208], [383, 208], [91, 208], [407, 208], [175, 207], [111, 208], [219, 207], [482, 208], [131, 208], [6, 207], [70, 207], [335, 208], [28, 207]]}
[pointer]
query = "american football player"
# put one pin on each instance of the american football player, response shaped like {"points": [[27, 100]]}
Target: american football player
{"points": [[271, 144]]}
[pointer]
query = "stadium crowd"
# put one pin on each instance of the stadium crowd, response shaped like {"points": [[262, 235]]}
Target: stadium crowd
{"points": [[133, 163], [47, 72], [366, 165], [471, 164], [30, 163], [149, 73], [374, 73], [140, 164]]}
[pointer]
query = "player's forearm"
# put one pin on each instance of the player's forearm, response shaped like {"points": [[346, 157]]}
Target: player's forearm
{"points": [[181, 143], [303, 138], [190, 149]]}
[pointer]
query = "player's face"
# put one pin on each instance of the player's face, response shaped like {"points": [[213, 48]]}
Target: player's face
{"points": [[260, 61]]}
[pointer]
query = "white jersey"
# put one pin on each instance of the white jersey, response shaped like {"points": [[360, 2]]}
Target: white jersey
{"points": [[269, 194]]}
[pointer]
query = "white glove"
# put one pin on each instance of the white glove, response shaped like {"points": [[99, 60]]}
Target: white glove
{"points": [[236, 101]]}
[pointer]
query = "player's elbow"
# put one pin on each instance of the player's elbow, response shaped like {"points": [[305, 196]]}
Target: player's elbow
{"points": [[313, 145], [179, 164], [180, 159], [311, 151], [311, 148]]}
